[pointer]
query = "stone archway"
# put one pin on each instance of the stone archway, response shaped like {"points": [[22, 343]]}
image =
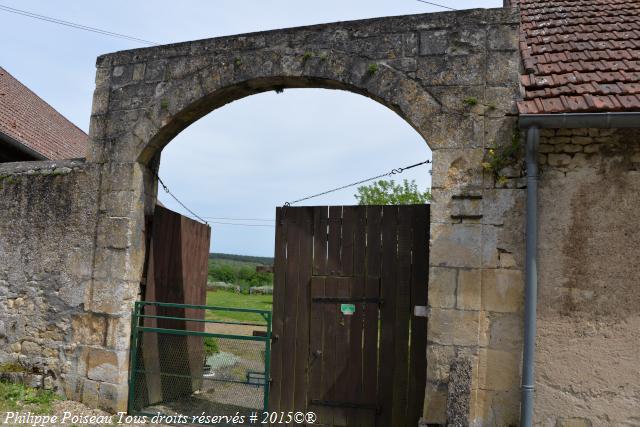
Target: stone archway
{"points": [[452, 76]]}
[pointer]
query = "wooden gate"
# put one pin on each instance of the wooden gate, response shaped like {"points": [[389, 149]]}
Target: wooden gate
{"points": [[177, 269], [350, 297]]}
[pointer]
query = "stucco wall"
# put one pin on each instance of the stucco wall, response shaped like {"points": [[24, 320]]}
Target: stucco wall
{"points": [[588, 343]]}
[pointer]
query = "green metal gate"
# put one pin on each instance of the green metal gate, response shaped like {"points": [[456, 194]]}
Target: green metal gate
{"points": [[189, 359]]}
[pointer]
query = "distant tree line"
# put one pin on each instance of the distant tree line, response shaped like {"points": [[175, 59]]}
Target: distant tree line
{"points": [[243, 276], [242, 258]]}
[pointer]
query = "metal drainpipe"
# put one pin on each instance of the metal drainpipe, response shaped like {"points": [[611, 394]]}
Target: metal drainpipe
{"points": [[531, 279]]}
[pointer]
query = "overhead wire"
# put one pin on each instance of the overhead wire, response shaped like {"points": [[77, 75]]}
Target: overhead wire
{"points": [[75, 25], [436, 4], [166, 189], [390, 173]]}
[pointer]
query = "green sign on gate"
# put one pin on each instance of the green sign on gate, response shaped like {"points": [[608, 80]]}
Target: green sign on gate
{"points": [[348, 309]]}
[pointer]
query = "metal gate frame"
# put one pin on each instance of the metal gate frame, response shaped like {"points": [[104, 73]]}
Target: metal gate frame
{"points": [[137, 329]]}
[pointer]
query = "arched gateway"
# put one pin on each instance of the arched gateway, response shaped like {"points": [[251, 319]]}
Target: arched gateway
{"points": [[452, 76]]}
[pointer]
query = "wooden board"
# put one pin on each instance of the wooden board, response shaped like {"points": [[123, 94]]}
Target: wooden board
{"points": [[346, 281], [177, 272]]}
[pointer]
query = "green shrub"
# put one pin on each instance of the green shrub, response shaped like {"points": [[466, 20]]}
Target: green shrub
{"points": [[211, 346]]}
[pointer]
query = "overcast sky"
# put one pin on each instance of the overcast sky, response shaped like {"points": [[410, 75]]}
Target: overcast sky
{"points": [[247, 158]]}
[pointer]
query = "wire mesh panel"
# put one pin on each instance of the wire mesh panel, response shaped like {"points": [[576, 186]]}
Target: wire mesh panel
{"points": [[186, 361]]}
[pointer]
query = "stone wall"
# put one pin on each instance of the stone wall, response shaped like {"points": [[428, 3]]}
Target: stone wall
{"points": [[61, 325], [48, 214], [588, 343]]}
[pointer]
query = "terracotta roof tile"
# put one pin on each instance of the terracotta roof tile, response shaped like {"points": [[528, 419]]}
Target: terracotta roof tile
{"points": [[28, 119], [579, 55]]}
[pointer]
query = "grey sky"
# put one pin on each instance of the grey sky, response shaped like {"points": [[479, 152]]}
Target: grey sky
{"points": [[252, 155]]}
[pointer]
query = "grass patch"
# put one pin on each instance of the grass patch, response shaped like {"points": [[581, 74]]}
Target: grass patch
{"points": [[11, 367], [470, 101], [232, 299], [15, 397]]}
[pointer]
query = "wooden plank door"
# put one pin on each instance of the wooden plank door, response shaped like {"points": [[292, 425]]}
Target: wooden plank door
{"points": [[347, 343], [176, 273]]}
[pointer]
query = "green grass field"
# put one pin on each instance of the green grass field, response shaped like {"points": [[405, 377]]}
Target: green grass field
{"points": [[232, 299]]}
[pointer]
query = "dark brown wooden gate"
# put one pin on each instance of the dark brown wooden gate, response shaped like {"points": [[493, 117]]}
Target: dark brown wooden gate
{"points": [[349, 342], [177, 269]]}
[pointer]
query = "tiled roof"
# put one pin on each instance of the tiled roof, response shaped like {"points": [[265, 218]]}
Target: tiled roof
{"points": [[27, 118], [580, 56]]}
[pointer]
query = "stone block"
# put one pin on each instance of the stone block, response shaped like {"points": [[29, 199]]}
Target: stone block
{"points": [[439, 358], [434, 42], [500, 67], [490, 252], [506, 260], [504, 408], [581, 140], [89, 329], [435, 404], [90, 393], [469, 289], [558, 160], [31, 348], [444, 70], [592, 148], [579, 160], [113, 397], [484, 329], [546, 148], [499, 101], [458, 169], [465, 41], [502, 290], [119, 264], [571, 148], [114, 232], [456, 245], [117, 203], [138, 71], [72, 386], [453, 327], [119, 332], [498, 370], [503, 37], [100, 101], [506, 332], [107, 365], [449, 130], [113, 297], [442, 287]]}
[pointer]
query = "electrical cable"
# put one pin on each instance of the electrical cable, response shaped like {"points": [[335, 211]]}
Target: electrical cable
{"points": [[74, 25], [392, 172], [166, 190], [436, 4], [395, 171]]}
